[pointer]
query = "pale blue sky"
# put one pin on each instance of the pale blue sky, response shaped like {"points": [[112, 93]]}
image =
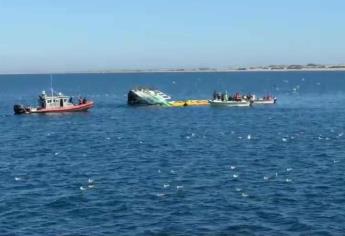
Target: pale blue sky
{"points": [[72, 35]]}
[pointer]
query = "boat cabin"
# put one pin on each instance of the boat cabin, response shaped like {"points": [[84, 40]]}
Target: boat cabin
{"points": [[54, 101]]}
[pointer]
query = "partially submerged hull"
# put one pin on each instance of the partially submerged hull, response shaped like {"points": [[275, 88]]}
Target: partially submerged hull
{"points": [[221, 103], [20, 109], [144, 96]]}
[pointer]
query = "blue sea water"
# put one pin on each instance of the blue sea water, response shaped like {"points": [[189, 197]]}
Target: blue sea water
{"points": [[118, 170]]}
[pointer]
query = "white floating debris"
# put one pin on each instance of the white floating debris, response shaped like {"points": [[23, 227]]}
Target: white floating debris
{"points": [[107, 138], [56, 153], [172, 172], [276, 174], [284, 139], [235, 175], [166, 185], [249, 136], [17, 178], [244, 195], [232, 167], [90, 181], [140, 142], [288, 169], [160, 194], [266, 177], [82, 188], [193, 134], [91, 186], [238, 189], [288, 180], [179, 187], [340, 134], [187, 137]]}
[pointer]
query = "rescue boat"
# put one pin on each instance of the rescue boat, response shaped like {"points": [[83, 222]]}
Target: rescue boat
{"points": [[54, 104]]}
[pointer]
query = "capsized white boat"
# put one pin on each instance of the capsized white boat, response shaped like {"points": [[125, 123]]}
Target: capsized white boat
{"points": [[239, 103], [147, 96]]}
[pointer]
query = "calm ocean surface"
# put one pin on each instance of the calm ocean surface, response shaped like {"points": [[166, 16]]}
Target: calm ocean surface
{"points": [[273, 170]]}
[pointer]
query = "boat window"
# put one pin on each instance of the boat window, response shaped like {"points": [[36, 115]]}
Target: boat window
{"points": [[49, 101], [65, 100]]}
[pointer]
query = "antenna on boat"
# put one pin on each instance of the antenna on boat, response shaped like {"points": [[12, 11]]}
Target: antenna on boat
{"points": [[51, 85]]}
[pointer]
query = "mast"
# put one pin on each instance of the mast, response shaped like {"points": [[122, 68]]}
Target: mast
{"points": [[51, 85]]}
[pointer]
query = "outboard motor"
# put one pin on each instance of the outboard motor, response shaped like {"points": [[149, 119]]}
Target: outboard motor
{"points": [[19, 109]]}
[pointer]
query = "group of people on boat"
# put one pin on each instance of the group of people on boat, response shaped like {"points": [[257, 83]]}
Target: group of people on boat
{"points": [[224, 96]]}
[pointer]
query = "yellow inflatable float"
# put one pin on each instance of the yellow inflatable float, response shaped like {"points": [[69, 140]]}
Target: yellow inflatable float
{"points": [[187, 103]]}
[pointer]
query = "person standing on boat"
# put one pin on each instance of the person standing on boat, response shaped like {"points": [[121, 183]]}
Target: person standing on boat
{"points": [[214, 95]]}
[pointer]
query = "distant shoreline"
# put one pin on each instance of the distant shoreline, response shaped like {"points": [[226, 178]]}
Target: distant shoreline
{"points": [[184, 71]]}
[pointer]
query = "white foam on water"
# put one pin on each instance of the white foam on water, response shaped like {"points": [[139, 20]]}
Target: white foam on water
{"points": [[17, 178], [160, 194], [288, 180], [179, 187], [56, 153], [166, 185], [172, 172], [91, 186], [159, 171], [90, 181], [235, 175], [232, 167], [288, 169], [244, 195], [284, 139], [249, 137], [238, 189], [82, 188], [266, 177]]}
